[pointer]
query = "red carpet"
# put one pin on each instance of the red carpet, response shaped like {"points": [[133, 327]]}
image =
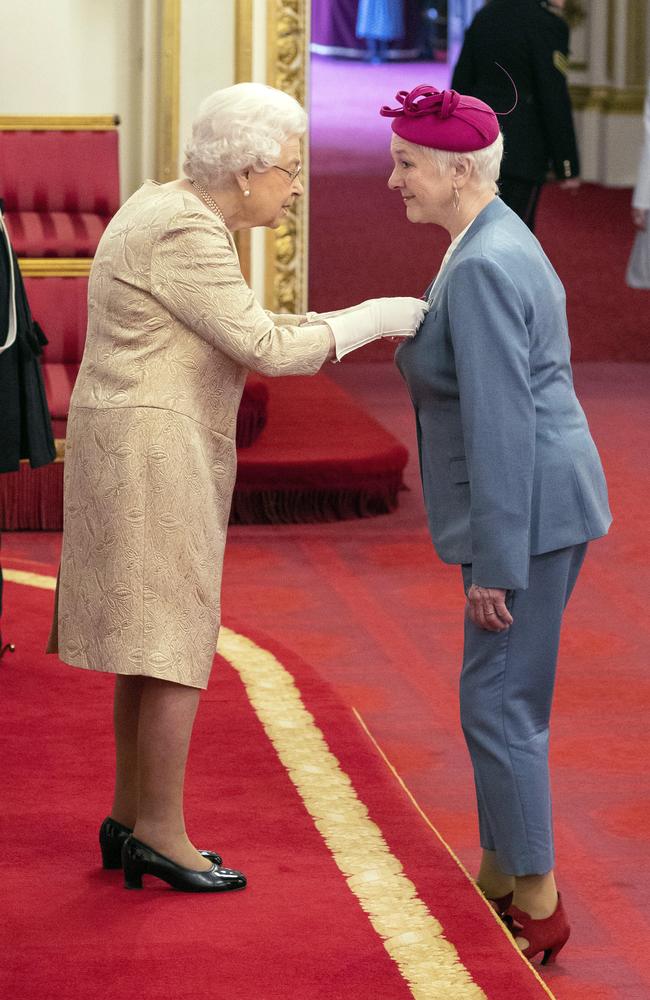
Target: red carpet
{"points": [[296, 932], [369, 607], [362, 246]]}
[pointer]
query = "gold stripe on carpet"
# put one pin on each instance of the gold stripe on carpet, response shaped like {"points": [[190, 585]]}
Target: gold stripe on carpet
{"points": [[30, 579], [412, 936], [391, 767]]}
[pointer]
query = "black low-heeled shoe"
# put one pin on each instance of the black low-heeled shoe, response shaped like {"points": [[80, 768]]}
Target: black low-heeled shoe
{"points": [[139, 859], [112, 836]]}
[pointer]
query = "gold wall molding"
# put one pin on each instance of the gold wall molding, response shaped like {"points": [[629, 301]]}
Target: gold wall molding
{"points": [[244, 74], [287, 69], [168, 97], [58, 123], [608, 100], [54, 267], [636, 43], [574, 12], [244, 41], [610, 48]]}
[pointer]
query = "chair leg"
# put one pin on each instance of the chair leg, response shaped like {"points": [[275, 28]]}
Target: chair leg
{"points": [[7, 647]]}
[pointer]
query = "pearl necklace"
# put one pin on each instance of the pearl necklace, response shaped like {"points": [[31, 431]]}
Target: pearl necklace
{"points": [[208, 199]]}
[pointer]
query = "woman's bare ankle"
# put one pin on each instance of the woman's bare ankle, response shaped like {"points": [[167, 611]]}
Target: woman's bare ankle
{"points": [[492, 881], [536, 895], [494, 889]]}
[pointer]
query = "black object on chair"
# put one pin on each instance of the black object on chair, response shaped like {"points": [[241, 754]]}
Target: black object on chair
{"points": [[26, 429]]}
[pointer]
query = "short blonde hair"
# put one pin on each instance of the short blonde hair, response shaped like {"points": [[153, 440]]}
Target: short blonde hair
{"points": [[486, 163], [241, 127]]}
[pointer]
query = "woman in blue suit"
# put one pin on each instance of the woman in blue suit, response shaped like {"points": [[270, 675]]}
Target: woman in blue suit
{"points": [[513, 485]]}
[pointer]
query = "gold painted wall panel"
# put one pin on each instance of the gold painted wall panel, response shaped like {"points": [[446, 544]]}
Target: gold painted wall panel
{"points": [[608, 100], [168, 91], [243, 74], [58, 123], [287, 69], [636, 43]]}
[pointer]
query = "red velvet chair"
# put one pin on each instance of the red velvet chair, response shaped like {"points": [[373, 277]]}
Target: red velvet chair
{"points": [[60, 306], [60, 186], [59, 180]]}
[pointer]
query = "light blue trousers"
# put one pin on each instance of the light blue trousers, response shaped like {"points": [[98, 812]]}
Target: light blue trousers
{"points": [[506, 692]]}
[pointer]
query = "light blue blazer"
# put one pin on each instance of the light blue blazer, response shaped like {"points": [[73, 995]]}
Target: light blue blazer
{"points": [[509, 468]]}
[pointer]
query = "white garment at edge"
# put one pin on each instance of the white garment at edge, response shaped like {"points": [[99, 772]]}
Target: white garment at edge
{"points": [[638, 268], [8, 336]]}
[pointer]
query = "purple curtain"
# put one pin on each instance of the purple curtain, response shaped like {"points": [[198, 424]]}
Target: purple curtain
{"points": [[333, 23]]}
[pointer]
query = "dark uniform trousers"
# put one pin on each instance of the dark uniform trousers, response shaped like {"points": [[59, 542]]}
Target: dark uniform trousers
{"points": [[522, 196], [529, 40]]}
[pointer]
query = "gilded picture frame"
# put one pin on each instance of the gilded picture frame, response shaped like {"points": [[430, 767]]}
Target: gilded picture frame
{"points": [[288, 27], [287, 68]]}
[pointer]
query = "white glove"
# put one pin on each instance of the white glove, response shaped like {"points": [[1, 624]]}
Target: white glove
{"points": [[372, 319]]}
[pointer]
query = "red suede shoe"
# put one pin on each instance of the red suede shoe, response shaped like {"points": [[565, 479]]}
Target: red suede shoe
{"points": [[548, 935]]}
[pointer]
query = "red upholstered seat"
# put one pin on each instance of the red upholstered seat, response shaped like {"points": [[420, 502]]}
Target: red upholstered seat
{"points": [[55, 234], [60, 306], [253, 411], [59, 382], [59, 189]]}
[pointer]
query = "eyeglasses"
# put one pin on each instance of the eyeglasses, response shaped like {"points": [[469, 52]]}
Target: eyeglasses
{"points": [[291, 174]]}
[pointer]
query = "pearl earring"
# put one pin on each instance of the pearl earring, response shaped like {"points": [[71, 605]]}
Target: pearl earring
{"points": [[247, 193]]}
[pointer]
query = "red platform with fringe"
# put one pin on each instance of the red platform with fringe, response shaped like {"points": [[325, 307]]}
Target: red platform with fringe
{"points": [[320, 457]]}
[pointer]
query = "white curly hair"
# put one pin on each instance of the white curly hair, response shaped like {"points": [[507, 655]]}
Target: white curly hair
{"points": [[241, 127], [486, 163]]}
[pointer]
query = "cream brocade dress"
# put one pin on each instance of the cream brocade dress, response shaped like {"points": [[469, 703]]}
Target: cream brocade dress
{"points": [[150, 452]]}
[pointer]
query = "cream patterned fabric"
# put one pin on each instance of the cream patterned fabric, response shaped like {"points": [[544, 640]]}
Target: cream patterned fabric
{"points": [[150, 453]]}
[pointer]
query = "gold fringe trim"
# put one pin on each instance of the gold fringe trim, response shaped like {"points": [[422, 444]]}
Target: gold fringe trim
{"points": [[391, 767], [412, 936]]}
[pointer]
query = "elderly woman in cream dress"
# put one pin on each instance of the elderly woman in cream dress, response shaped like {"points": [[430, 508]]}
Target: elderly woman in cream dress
{"points": [[150, 462]]}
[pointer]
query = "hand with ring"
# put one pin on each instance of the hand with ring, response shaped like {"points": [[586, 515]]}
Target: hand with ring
{"points": [[487, 608]]}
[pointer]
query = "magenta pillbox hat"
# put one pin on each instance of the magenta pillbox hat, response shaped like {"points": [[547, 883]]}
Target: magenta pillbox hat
{"points": [[443, 119]]}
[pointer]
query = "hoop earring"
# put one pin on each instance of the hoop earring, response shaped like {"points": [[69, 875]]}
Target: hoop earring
{"points": [[456, 199]]}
